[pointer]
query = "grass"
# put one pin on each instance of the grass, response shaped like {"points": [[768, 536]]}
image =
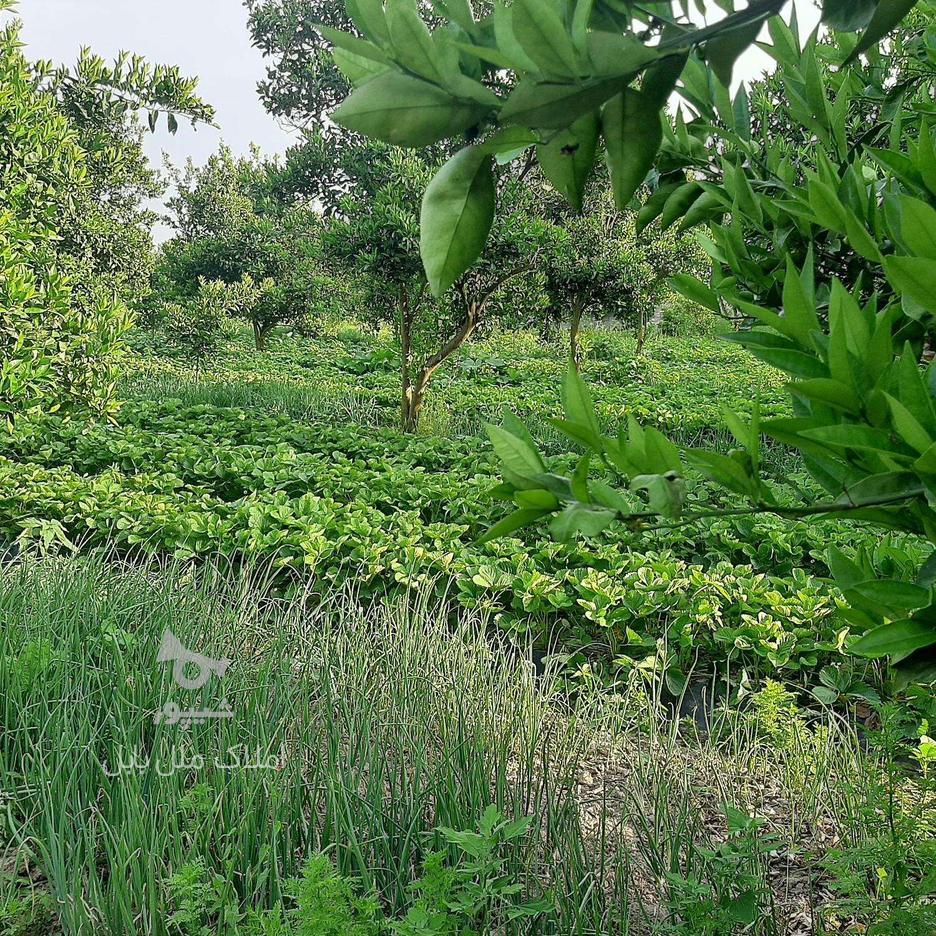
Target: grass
{"points": [[384, 723]]}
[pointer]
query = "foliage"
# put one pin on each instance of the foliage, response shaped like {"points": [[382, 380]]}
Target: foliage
{"points": [[863, 416], [59, 352], [106, 226], [254, 479], [474, 894], [883, 877], [570, 73], [377, 236], [234, 227], [597, 266], [728, 894], [195, 330], [303, 83]]}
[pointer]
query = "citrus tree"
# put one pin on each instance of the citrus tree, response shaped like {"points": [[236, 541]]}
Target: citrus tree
{"points": [[588, 72], [376, 235]]}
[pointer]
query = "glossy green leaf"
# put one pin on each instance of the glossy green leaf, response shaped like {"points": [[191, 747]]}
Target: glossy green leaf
{"points": [[519, 458], [725, 49], [544, 38], [632, 129], [696, 291], [406, 111], [914, 277], [848, 15], [555, 105], [918, 226], [569, 157], [887, 15], [895, 639], [577, 401], [511, 523], [456, 216]]}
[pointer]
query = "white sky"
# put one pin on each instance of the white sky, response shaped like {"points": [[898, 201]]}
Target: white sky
{"points": [[207, 38]]}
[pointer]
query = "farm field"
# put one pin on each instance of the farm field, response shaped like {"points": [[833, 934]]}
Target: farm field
{"points": [[468, 468], [289, 458], [315, 538]]}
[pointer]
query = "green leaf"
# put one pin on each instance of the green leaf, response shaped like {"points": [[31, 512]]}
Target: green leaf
{"points": [[887, 15], [355, 68], [485, 54], [519, 458], [743, 908], [579, 480], [926, 158], [914, 277], [577, 401], [633, 131], [845, 572], [653, 206], [555, 105], [725, 49], [456, 217], [617, 55], [577, 518], [411, 42], [828, 392], [852, 436], [860, 238], [887, 486], [679, 203], [695, 291], [568, 158], [907, 426], [507, 43], [666, 494], [544, 39], [890, 593], [406, 111], [897, 639], [723, 470], [798, 308], [918, 226], [538, 499], [368, 16], [848, 15], [354, 44], [829, 210], [511, 523], [797, 363]]}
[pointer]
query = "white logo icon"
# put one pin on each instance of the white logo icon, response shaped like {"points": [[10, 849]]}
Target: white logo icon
{"points": [[172, 650]]}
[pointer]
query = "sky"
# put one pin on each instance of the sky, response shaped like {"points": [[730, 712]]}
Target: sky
{"points": [[207, 38]]}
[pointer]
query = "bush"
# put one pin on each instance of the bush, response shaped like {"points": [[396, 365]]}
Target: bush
{"points": [[60, 350]]}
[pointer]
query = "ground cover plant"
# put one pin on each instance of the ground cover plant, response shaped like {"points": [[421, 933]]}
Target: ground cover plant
{"points": [[189, 478]]}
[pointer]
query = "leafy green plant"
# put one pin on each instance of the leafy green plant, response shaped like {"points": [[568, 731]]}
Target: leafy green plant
{"points": [[883, 876], [29, 915], [728, 894], [474, 893], [201, 902], [328, 904]]}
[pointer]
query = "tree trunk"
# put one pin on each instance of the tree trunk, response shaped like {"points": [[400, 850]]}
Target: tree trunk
{"points": [[641, 329], [260, 333], [414, 391], [406, 345], [574, 327]]}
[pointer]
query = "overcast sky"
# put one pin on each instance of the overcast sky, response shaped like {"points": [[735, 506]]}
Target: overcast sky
{"points": [[207, 38]]}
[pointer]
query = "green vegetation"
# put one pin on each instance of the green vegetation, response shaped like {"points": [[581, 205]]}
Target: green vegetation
{"points": [[384, 736], [342, 595]]}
